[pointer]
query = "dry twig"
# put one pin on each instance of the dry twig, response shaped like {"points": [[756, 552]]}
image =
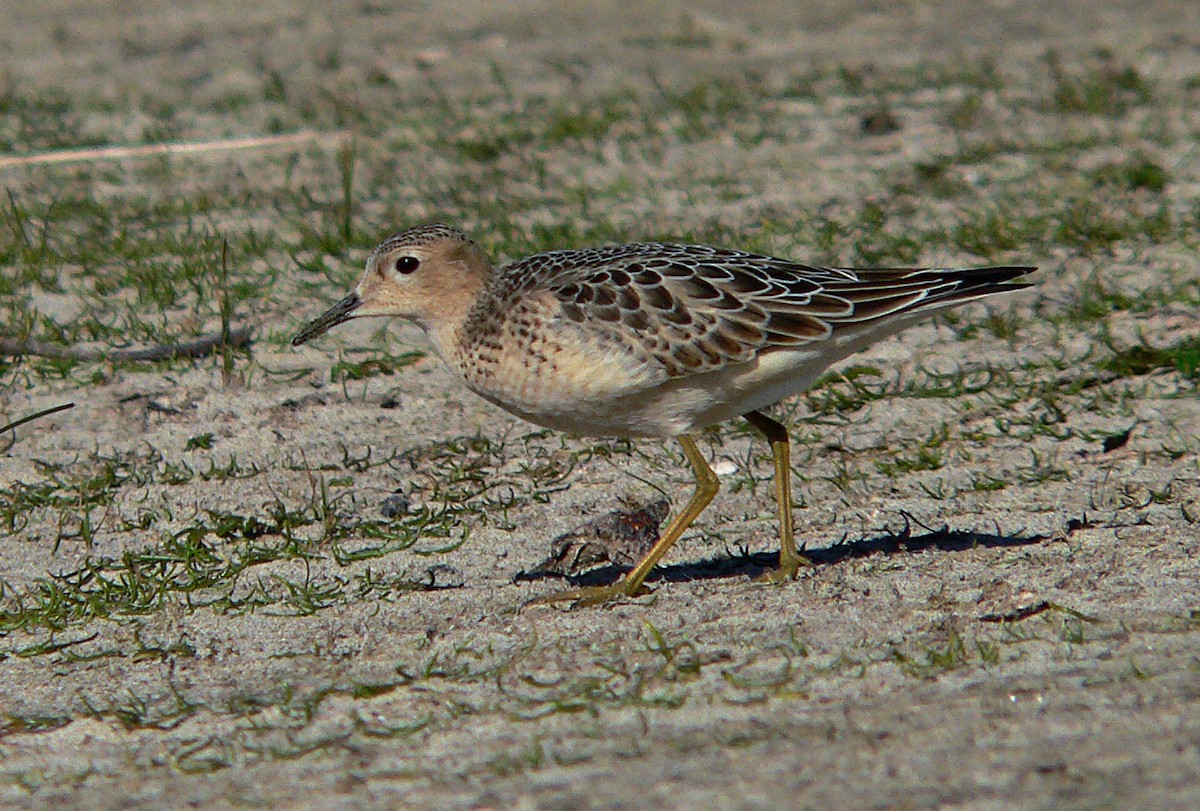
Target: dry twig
{"points": [[30, 418], [174, 148], [188, 349]]}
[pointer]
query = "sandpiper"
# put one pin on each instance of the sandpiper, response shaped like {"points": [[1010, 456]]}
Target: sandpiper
{"points": [[647, 340]]}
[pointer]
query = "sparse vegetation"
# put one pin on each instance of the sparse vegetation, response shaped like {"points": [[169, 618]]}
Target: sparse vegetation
{"points": [[284, 566]]}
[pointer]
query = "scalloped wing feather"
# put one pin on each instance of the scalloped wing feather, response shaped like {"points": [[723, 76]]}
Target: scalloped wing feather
{"points": [[695, 309]]}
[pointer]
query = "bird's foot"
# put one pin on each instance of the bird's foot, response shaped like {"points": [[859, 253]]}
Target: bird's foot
{"points": [[591, 595], [789, 568]]}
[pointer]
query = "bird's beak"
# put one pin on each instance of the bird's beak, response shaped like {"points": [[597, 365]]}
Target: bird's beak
{"points": [[342, 311]]}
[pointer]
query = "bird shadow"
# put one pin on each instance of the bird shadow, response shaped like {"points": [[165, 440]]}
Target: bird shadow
{"points": [[752, 564]]}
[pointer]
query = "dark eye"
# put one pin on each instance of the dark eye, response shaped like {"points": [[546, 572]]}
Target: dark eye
{"points": [[407, 264]]}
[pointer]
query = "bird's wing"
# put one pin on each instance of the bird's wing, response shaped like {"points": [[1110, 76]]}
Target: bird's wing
{"points": [[695, 309]]}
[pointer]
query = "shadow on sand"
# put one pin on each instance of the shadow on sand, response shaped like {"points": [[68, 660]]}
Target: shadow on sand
{"points": [[756, 563]]}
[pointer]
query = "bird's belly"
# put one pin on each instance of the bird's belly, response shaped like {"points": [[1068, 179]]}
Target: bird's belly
{"points": [[589, 398], [612, 395]]}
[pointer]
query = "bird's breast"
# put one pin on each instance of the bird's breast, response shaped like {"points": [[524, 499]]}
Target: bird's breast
{"points": [[560, 375]]}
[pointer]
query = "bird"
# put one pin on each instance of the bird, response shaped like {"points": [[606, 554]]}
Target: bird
{"points": [[647, 339]]}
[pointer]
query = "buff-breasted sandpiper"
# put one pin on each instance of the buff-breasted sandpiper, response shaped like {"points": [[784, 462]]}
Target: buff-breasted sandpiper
{"points": [[647, 340]]}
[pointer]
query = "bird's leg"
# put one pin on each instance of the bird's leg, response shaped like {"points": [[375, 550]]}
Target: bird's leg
{"points": [[631, 584], [790, 560]]}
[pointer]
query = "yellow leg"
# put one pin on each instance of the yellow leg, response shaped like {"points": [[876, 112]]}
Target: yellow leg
{"points": [[631, 584], [790, 560]]}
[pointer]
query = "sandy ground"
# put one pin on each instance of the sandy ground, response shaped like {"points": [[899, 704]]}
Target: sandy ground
{"points": [[955, 645]]}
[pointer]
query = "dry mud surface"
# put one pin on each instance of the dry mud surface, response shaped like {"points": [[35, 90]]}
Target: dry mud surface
{"points": [[203, 603]]}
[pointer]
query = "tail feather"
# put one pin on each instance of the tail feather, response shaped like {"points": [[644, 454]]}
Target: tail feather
{"points": [[892, 292], [974, 283]]}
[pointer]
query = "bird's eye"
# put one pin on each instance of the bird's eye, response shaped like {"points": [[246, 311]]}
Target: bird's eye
{"points": [[407, 264]]}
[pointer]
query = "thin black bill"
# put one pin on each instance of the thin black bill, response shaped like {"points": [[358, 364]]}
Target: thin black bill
{"points": [[342, 311]]}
